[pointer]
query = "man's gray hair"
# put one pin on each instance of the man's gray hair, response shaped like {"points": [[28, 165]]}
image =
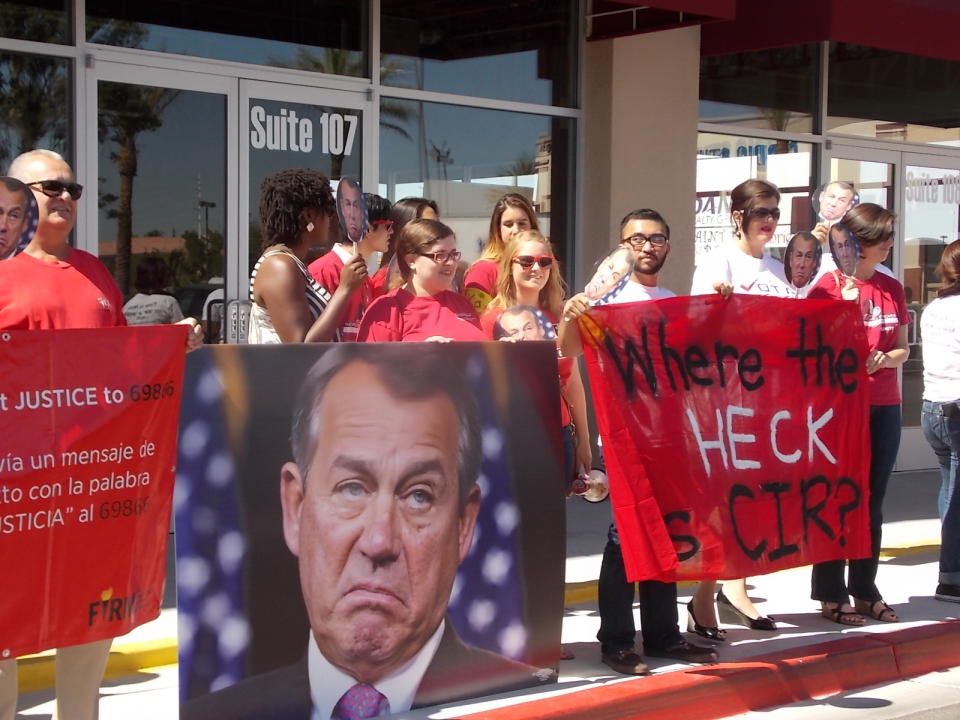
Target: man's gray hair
{"points": [[21, 161], [411, 371]]}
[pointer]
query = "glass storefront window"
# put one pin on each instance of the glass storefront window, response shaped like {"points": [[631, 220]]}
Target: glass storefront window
{"points": [[162, 191], [326, 36], [931, 221], [770, 89], [886, 95], [40, 20], [725, 161], [467, 158], [35, 109], [510, 51]]}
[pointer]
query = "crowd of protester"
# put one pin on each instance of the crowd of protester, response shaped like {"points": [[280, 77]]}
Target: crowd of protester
{"points": [[405, 281]]}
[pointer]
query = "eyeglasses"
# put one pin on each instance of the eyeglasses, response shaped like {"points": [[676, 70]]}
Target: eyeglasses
{"points": [[388, 224], [528, 261], [638, 240], [55, 188], [442, 257], [762, 214]]}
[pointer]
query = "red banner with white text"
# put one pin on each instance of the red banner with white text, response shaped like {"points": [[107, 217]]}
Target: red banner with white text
{"points": [[89, 424], [735, 432]]}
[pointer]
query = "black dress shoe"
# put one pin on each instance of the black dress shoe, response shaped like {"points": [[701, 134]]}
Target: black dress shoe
{"points": [[730, 613], [684, 652], [627, 662]]}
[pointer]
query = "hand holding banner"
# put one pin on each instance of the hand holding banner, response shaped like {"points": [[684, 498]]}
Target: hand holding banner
{"points": [[89, 420], [735, 432]]}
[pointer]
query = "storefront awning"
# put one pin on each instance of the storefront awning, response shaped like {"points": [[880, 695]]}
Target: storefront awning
{"points": [[616, 18], [916, 27]]}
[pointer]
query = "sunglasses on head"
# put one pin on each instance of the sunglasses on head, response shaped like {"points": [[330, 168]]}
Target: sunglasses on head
{"points": [[388, 224], [528, 261], [55, 188]]}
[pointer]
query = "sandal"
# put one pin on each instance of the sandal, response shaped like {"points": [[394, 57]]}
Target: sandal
{"points": [[842, 617], [877, 609]]}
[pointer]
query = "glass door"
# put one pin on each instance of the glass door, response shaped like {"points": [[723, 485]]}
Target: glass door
{"points": [[285, 126], [163, 180], [924, 190]]}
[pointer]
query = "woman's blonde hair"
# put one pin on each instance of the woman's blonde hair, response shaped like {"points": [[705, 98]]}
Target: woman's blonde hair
{"points": [[494, 247], [551, 295]]}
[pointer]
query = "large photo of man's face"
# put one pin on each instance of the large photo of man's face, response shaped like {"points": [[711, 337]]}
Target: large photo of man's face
{"points": [[396, 487], [351, 209]]}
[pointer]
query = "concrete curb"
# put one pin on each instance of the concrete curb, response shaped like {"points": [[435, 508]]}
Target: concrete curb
{"points": [[38, 672], [725, 689]]}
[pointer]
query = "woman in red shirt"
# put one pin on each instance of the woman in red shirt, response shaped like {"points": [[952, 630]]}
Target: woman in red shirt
{"points": [[884, 307], [422, 307], [513, 213]]}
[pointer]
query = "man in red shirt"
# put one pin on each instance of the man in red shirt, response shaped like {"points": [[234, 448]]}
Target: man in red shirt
{"points": [[51, 285]]}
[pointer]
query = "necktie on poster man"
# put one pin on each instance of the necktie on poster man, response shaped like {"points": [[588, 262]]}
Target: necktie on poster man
{"points": [[735, 432], [89, 421]]}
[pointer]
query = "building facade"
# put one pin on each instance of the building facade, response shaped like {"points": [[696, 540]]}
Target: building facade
{"points": [[173, 112]]}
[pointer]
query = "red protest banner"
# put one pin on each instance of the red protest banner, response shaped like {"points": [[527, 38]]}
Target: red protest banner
{"points": [[89, 420], [734, 431]]}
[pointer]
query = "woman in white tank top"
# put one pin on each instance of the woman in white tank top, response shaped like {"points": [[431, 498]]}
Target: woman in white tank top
{"points": [[296, 207]]}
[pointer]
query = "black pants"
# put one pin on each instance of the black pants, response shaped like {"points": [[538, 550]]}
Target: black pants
{"points": [[658, 608], [827, 581]]}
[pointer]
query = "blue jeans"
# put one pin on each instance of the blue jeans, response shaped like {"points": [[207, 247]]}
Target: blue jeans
{"points": [[827, 580], [943, 434]]}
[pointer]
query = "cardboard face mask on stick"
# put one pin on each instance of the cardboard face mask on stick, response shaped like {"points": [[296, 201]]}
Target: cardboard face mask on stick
{"points": [[351, 209], [18, 217], [832, 200], [801, 262], [524, 322], [612, 274], [845, 248]]}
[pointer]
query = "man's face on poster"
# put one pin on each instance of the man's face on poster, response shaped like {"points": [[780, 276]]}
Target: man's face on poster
{"points": [[378, 524], [521, 326], [834, 201], [13, 217], [845, 250], [348, 198], [611, 271], [802, 258]]}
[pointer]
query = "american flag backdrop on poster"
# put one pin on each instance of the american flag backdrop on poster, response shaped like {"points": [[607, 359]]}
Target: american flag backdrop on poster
{"points": [[486, 604], [213, 630]]}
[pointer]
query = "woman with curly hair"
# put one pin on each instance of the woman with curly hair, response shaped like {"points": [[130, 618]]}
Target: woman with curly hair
{"points": [[288, 305]]}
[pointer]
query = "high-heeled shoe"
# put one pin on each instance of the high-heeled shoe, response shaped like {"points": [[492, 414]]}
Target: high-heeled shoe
{"points": [[710, 633], [730, 613]]}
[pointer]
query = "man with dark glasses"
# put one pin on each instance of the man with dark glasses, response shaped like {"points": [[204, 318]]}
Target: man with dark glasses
{"points": [[648, 235], [51, 285]]}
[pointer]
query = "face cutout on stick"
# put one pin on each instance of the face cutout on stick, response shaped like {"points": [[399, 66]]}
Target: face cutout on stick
{"points": [[845, 248], [18, 216], [612, 274], [832, 200], [524, 322], [801, 262], [351, 209]]}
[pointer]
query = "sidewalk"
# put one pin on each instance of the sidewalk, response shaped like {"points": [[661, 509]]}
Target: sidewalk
{"points": [[809, 658]]}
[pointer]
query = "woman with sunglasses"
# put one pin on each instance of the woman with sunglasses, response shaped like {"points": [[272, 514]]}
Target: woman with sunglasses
{"points": [[296, 207], [884, 307], [403, 211], [529, 276], [422, 307], [744, 267], [512, 214]]}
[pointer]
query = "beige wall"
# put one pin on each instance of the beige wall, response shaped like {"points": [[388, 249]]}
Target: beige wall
{"points": [[640, 142]]}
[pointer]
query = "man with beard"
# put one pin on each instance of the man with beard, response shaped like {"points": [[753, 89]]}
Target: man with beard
{"points": [[648, 235]]}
